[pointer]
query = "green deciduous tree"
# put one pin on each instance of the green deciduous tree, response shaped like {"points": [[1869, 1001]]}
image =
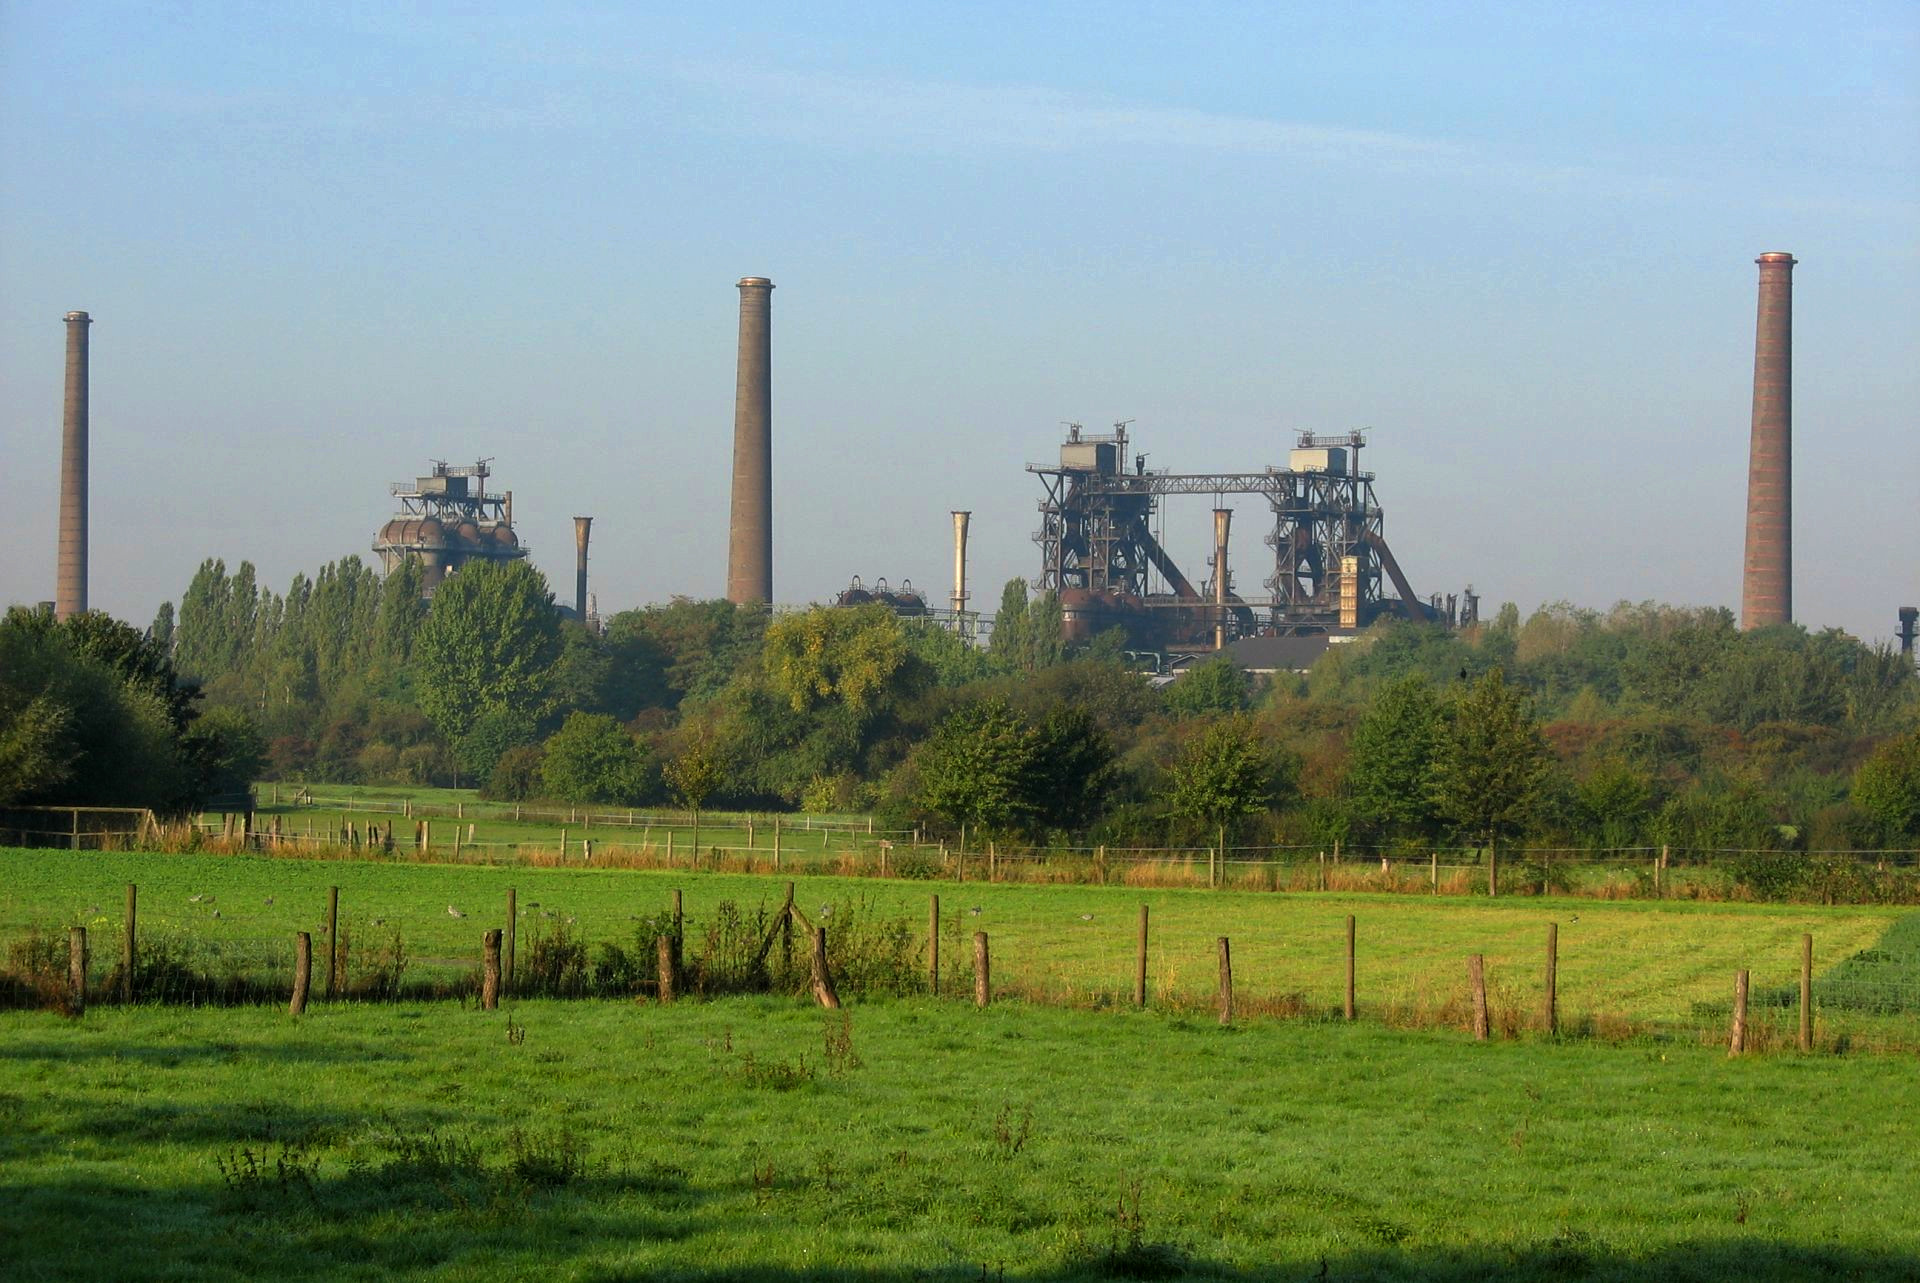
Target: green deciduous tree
{"points": [[1492, 762], [1390, 769], [834, 654], [1072, 772], [487, 645], [1222, 773], [1212, 687], [1887, 785], [976, 768], [592, 758], [696, 774]]}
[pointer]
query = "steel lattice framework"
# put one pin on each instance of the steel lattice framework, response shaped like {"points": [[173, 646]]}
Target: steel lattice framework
{"points": [[1095, 534]]}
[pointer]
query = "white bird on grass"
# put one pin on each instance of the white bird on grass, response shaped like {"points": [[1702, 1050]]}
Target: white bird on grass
{"points": [[1086, 917], [454, 913]]}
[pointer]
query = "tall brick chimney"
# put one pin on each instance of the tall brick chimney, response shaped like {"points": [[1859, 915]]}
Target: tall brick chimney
{"points": [[1766, 593]]}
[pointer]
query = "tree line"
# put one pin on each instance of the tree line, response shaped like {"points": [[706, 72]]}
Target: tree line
{"points": [[1641, 725]]}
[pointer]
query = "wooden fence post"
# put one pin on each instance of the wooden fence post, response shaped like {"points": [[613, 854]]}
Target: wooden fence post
{"points": [[333, 942], [982, 971], [490, 969], [993, 861], [1550, 1002], [669, 848], [513, 930], [1435, 857], [1660, 874], [1350, 1004], [933, 945], [786, 931], [1806, 992], [1221, 836], [1226, 982], [302, 972], [822, 978], [128, 953], [679, 929], [1477, 980], [1738, 1043], [1493, 867], [776, 844], [76, 971], [669, 967], [1140, 964]]}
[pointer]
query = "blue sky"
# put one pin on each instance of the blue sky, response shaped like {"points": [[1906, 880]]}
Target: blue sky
{"points": [[323, 244]]}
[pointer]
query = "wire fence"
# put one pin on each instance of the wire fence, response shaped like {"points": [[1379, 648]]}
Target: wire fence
{"points": [[1867, 999], [1640, 872]]}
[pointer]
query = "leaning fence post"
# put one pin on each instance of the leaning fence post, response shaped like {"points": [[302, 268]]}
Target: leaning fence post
{"points": [[1550, 1003], [513, 929], [333, 942], [1350, 1007], [1140, 964], [1806, 992], [490, 969], [822, 978], [302, 972], [76, 971], [982, 971], [933, 945], [127, 951], [1477, 980], [1738, 1044], [1226, 982]]}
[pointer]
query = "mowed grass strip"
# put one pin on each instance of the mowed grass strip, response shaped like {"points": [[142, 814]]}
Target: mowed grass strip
{"points": [[1626, 960], [762, 1138]]}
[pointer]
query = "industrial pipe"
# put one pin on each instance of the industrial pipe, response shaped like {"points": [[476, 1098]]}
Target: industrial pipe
{"points": [[582, 528], [1222, 520], [960, 520]]}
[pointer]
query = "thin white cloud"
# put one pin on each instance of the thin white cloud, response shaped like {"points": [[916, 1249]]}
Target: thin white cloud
{"points": [[922, 115]]}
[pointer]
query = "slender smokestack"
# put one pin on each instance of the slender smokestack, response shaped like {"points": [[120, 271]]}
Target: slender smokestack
{"points": [[582, 528], [750, 536], [1766, 593], [960, 520], [70, 587], [1222, 520]]}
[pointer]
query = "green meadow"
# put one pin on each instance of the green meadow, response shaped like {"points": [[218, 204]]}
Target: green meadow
{"points": [[1635, 964], [761, 1138]]}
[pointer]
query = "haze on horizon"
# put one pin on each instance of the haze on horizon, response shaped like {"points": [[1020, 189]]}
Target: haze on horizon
{"points": [[323, 244]]}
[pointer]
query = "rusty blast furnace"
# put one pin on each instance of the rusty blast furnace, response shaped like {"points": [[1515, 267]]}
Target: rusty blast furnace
{"points": [[1100, 553], [446, 520]]}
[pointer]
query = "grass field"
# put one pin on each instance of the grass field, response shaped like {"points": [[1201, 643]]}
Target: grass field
{"points": [[760, 1138], [1665, 965]]}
